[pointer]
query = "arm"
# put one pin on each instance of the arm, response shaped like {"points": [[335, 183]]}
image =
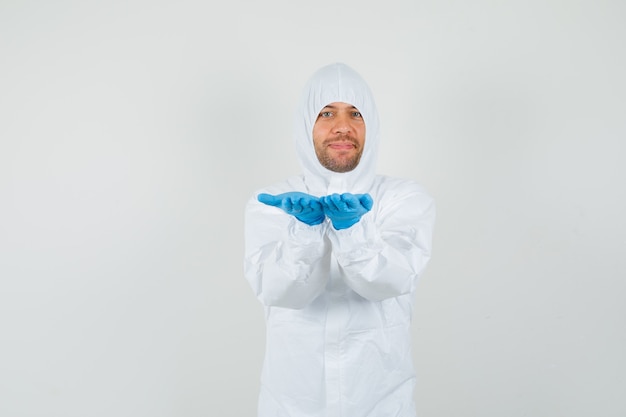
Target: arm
{"points": [[286, 261], [383, 254]]}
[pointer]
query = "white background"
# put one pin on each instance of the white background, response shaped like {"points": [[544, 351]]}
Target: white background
{"points": [[133, 132]]}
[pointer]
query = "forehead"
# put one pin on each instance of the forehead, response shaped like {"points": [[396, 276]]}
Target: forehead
{"points": [[339, 105]]}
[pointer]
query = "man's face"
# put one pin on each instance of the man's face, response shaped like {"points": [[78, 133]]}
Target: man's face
{"points": [[339, 136]]}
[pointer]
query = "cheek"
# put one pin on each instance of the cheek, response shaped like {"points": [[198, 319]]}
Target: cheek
{"points": [[315, 133], [318, 134], [362, 136], [316, 142]]}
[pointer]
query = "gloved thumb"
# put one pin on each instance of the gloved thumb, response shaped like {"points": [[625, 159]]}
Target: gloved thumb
{"points": [[366, 201], [269, 199]]}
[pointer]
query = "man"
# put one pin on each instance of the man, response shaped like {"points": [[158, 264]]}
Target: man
{"points": [[334, 255]]}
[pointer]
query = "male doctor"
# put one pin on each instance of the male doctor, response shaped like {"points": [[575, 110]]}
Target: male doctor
{"points": [[334, 255]]}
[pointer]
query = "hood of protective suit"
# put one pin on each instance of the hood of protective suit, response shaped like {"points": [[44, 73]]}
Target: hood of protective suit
{"points": [[336, 83]]}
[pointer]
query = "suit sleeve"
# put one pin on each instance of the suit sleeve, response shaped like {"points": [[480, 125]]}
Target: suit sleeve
{"points": [[384, 254], [286, 261]]}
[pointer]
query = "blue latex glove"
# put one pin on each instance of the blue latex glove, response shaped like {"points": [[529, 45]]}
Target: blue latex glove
{"points": [[302, 206], [346, 209]]}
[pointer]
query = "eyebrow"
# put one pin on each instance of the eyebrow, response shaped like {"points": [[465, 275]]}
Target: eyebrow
{"points": [[334, 107]]}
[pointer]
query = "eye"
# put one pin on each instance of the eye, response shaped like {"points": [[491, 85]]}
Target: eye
{"points": [[326, 114], [357, 114]]}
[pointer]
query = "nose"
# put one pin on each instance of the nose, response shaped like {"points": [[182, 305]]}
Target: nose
{"points": [[342, 125]]}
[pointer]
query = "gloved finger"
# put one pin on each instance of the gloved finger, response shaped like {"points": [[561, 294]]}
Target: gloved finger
{"points": [[351, 201], [315, 204], [323, 201], [339, 202], [269, 199], [286, 204], [329, 204], [304, 201], [366, 201], [297, 205]]}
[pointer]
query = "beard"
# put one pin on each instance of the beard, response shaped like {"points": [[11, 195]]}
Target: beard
{"points": [[339, 162]]}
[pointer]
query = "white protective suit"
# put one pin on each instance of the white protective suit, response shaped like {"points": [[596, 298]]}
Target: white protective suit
{"points": [[338, 302]]}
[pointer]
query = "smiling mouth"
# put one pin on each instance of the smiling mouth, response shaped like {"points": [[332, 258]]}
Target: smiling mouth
{"points": [[342, 145]]}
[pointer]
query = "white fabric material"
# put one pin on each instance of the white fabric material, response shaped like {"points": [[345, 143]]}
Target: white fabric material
{"points": [[338, 302]]}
